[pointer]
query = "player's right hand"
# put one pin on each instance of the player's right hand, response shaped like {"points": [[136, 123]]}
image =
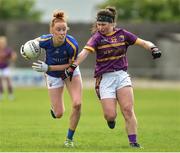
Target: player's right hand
{"points": [[40, 66]]}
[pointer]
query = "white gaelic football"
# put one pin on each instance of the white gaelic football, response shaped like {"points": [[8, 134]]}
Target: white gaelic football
{"points": [[30, 50]]}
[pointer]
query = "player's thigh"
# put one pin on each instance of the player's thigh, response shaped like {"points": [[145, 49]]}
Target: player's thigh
{"points": [[74, 88], [125, 97], [55, 89], [109, 106], [56, 97]]}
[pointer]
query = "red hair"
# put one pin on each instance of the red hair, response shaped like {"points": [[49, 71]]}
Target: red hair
{"points": [[58, 16]]}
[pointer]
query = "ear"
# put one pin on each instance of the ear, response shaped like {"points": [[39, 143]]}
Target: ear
{"points": [[114, 24]]}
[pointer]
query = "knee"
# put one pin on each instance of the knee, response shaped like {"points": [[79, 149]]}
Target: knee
{"points": [[128, 112], [77, 106], [58, 113], [110, 116]]}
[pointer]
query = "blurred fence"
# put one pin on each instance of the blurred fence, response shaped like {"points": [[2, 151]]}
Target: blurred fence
{"points": [[22, 77], [141, 64]]}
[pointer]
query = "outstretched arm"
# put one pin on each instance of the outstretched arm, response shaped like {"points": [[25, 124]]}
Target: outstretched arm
{"points": [[156, 53], [41, 66], [68, 73], [82, 56]]}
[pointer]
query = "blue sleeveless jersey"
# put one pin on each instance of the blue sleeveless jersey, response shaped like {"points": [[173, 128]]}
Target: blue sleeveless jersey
{"points": [[58, 55]]}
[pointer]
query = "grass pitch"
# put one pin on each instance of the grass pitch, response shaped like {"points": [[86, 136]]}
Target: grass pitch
{"points": [[26, 124]]}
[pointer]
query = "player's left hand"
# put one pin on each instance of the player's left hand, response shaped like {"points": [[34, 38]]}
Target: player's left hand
{"points": [[156, 53], [68, 73], [40, 66]]}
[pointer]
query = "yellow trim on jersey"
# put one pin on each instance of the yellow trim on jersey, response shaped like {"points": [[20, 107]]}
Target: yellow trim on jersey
{"points": [[112, 33], [110, 58], [44, 39], [111, 45], [127, 43], [74, 47], [91, 49]]}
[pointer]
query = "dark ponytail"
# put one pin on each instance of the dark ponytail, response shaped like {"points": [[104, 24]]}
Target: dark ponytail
{"points": [[112, 10]]}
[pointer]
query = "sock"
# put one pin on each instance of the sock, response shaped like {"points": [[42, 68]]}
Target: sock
{"points": [[70, 134], [132, 138]]}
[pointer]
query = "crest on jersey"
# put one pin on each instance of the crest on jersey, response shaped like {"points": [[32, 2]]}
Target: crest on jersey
{"points": [[122, 37], [56, 51]]}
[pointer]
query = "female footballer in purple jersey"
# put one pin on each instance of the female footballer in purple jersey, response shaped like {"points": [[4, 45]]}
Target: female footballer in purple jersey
{"points": [[7, 55], [113, 83], [61, 50]]}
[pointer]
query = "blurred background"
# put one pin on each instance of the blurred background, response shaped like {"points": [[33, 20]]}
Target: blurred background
{"points": [[156, 21]]}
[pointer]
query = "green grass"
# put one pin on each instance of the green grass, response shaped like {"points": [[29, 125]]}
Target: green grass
{"points": [[26, 124]]}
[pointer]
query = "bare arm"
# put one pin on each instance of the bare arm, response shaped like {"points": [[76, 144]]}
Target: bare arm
{"points": [[145, 44], [68, 73], [82, 56], [58, 67], [156, 53]]}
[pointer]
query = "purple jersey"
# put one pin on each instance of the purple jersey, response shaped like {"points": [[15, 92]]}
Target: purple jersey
{"points": [[110, 50], [5, 56]]}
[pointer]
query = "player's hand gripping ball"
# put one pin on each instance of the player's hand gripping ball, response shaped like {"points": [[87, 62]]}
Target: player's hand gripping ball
{"points": [[31, 50]]}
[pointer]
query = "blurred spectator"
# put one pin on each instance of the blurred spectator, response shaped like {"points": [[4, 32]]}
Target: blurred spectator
{"points": [[7, 55]]}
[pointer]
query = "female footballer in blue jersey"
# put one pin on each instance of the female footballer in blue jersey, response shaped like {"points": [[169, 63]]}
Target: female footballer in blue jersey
{"points": [[61, 50], [113, 83]]}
